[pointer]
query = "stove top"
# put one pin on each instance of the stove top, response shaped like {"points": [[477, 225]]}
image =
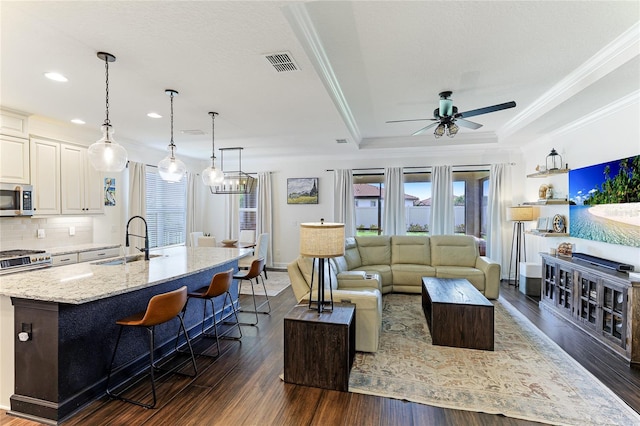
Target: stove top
{"points": [[13, 253], [21, 260]]}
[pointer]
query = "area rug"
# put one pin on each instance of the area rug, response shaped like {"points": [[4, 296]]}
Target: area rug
{"points": [[278, 281], [527, 376]]}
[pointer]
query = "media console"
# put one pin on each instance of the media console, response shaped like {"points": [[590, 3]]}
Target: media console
{"points": [[599, 299]]}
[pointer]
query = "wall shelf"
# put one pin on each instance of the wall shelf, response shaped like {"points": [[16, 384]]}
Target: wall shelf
{"points": [[548, 234], [548, 202], [546, 173]]}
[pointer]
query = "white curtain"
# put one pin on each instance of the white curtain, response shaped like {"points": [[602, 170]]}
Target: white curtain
{"points": [[137, 199], [498, 202], [232, 218], [343, 201], [192, 209], [264, 222], [394, 220], [442, 219]]}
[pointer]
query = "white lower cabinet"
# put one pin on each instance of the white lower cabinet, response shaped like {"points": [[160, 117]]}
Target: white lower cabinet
{"points": [[64, 259], [87, 256], [81, 185]]}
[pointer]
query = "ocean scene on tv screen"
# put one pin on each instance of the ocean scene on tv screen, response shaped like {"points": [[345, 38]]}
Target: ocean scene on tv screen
{"points": [[605, 202]]}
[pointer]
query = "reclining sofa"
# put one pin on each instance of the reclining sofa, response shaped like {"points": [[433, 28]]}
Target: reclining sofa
{"points": [[373, 266]]}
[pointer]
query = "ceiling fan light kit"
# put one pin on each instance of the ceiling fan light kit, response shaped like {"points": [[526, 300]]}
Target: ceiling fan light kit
{"points": [[447, 118], [171, 169], [106, 155]]}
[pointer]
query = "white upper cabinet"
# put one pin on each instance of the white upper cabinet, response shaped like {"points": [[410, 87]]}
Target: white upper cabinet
{"points": [[45, 176], [14, 147], [81, 184]]}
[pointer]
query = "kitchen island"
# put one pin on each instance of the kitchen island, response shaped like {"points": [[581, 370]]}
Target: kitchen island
{"points": [[69, 313]]}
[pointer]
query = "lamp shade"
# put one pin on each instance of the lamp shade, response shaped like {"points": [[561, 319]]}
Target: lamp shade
{"points": [[322, 239], [520, 213]]}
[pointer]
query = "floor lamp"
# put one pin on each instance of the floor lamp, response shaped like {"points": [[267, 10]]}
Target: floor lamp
{"points": [[518, 215], [321, 241]]}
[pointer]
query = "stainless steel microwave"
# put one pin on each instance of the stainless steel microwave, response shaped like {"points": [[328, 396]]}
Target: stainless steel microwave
{"points": [[16, 199]]}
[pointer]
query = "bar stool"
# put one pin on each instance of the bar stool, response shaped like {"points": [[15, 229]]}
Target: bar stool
{"points": [[254, 273], [219, 285], [161, 309]]}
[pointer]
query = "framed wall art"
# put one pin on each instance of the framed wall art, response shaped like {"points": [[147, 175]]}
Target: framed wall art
{"points": [[302, 191]]}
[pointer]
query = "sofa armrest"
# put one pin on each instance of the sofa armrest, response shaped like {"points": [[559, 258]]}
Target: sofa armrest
{"points": [[491, 272], [358, 280]]}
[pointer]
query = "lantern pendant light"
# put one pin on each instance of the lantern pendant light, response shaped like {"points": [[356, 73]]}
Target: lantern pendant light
{"points": [[170, 168], [212, 176], [106, 155]]}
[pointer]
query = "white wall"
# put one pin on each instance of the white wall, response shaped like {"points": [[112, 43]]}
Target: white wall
{"points": [[600, 140]]}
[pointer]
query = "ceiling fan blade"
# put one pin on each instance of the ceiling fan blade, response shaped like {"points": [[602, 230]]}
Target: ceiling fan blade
{"points": [[468, 124], [425, 129], [415, 119], [486, 110]]}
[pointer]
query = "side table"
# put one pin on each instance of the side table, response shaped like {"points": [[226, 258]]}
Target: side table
{"points": [[319, 348]]}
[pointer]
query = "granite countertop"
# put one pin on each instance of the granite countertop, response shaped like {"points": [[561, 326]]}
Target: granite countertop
{"points": [[84, 282], [56, 251]]}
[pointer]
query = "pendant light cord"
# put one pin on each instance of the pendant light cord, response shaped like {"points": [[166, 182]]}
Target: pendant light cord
{"points": [[171, 94], [213, 136], [107, 122]]}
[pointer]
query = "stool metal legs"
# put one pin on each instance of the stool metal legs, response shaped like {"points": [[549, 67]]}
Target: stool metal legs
{"points": [[255, 306], [152, 366]]}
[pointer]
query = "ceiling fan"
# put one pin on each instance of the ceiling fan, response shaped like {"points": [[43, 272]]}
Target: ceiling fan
{"points": [[447, 117]]}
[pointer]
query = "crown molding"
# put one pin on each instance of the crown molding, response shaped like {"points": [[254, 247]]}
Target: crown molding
{"points": [[305, 31], [612, 56]]}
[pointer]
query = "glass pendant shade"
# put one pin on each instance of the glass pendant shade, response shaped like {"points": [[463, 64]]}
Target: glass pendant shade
{"points": [[106, 155], [212, 176], [452, 130], [170, 168], [439, 130]]}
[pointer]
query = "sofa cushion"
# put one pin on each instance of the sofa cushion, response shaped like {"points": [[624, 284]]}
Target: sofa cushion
{"points": [[352, 254], [473, 275], [384, 271], [453, 250], [411, 275], [340, 264], [410, 249], [375, 250]]}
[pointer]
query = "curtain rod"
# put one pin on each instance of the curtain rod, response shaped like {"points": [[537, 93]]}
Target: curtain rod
{"points": [[422, 167]]}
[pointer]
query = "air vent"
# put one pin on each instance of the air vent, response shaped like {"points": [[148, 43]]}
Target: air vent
{"points": [[282, 62], [341, 140], [193, 132]]}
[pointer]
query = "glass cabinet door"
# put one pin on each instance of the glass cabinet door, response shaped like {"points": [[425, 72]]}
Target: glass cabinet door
{"points": [[549, 285], [565, 288], [613, 313], [588, 308]]}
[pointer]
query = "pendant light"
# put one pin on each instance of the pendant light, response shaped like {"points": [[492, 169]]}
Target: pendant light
{"points": [[212, 176], [106, 155], [170, 168]]}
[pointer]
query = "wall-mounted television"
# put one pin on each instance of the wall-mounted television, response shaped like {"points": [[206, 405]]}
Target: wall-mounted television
{"points": [[605, 202]]}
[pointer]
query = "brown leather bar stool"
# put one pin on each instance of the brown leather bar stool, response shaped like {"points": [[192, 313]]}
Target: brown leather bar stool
{"points": [[161, 309], [254, 274], [219, 285]]}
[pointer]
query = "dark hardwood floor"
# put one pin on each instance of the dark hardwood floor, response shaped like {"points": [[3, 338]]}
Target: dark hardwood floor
{"points": [[242, 387]]}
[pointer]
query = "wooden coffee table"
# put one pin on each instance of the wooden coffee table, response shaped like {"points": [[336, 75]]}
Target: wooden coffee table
{"points": [[457, 313]]}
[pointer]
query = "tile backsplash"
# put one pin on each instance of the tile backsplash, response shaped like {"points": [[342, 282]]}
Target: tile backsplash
{"points": [[22, 232]]}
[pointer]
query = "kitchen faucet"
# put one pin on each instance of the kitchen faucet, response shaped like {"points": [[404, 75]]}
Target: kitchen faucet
{"points": [[146, 237]]}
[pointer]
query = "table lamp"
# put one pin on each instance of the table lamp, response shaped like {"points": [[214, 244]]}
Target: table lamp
{"points": [[321, 241], [518, 215]]}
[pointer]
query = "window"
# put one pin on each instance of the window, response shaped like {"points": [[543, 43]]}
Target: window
{"points": [[469, 192], [166, 210], [248, 210]]}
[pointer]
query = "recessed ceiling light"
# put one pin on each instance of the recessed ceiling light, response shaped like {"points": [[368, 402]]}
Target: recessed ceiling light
{"points": [[77, 121], [55, 76], [154, 115]]}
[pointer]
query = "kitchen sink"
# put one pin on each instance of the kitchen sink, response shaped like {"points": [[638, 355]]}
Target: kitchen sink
{"points": [[124, 260]]}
